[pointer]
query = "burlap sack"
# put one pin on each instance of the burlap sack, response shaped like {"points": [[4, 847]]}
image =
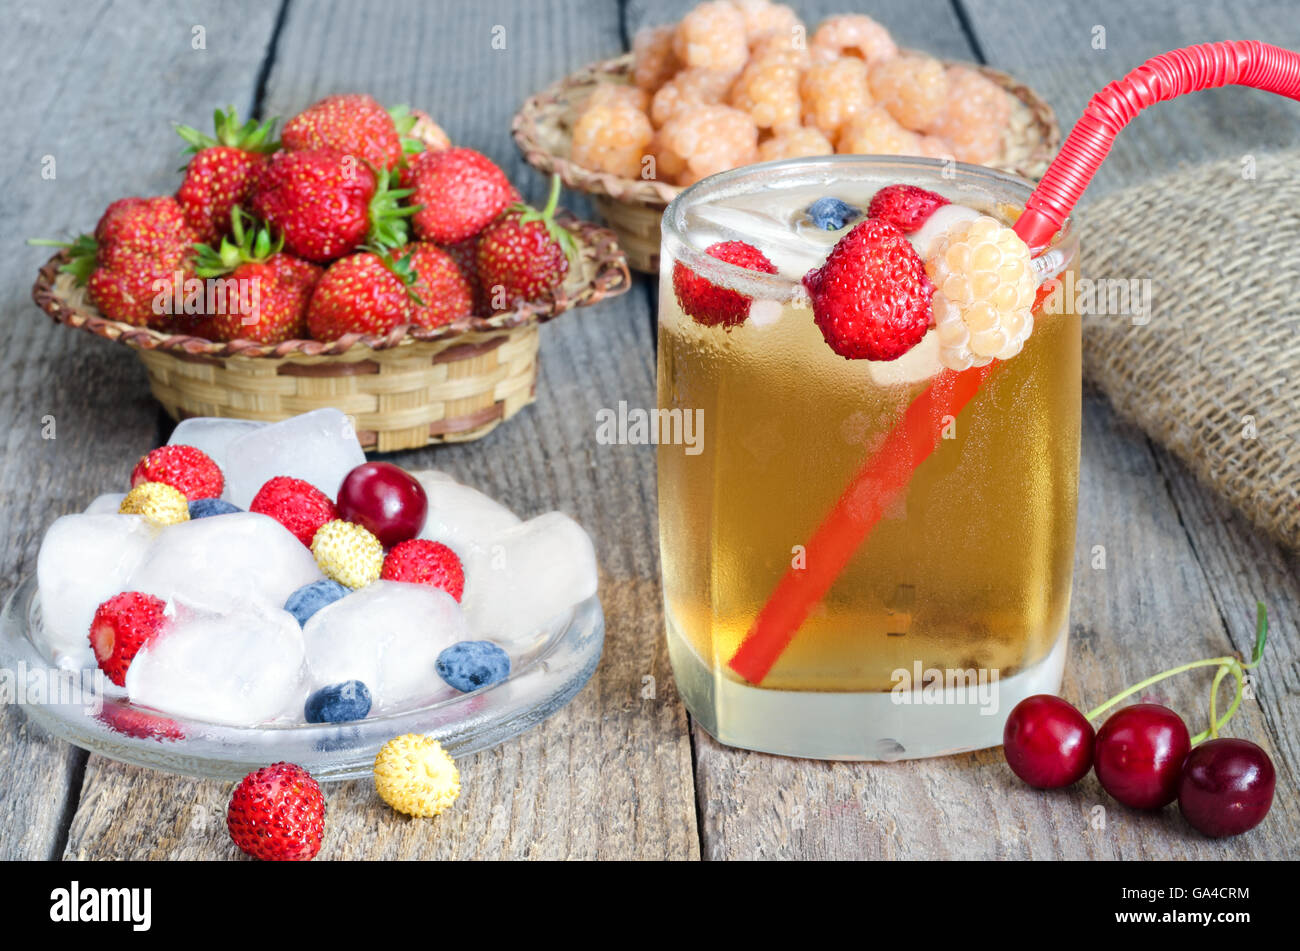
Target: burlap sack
{"points": [[1212, 369]]}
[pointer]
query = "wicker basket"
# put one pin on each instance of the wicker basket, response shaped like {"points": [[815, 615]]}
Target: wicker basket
{"points": [[543, 131], [409, 388]]}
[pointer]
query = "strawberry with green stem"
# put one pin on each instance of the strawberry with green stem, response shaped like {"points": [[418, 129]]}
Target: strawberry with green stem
{"points": [[327, 203], [525, 253], [356, 124], [267, 290], [223, 170], [139, 249], [369, 292]]}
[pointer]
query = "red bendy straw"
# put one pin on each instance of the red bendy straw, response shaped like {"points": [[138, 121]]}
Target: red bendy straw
{"points": [[885, 475]]}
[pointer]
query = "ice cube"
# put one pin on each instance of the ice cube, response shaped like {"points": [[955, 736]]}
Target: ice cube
{"points": [[212, 434], [106, 504], [320, 447], [387, 635], [220, 563], [462, 518], [240, 668], [793, 253], [532, 574], [84, 560]]}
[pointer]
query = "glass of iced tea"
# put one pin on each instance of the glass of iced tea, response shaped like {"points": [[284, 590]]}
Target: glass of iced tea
{"points": [[868, 544]]}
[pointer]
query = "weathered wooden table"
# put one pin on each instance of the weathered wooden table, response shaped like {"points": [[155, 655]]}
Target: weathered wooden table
{"points": [[89, 91]]}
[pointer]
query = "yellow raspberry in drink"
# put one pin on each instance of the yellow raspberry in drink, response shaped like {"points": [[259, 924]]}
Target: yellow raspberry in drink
{"points": [[159, 502], [348, 553], [984, 292]]}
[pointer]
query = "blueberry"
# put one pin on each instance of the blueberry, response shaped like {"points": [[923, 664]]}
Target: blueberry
{"points": [[470, 665], [309, 599], [203, 508], [831, 214], [338, 703]]}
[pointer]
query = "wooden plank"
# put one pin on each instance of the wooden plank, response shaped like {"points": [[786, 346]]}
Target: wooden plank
{"points": [[610, 776], [98, 99], [1051, 48]]}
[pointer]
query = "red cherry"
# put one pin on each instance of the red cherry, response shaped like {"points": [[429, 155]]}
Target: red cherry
{"points": [[1139, 755], [384, 499], [1047, 742], [1226, 787]]}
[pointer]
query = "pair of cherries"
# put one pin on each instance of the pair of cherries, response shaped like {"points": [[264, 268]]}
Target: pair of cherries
{"points": [[1143, 756]]}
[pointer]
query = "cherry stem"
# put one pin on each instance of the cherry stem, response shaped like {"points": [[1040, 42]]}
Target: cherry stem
{"points": [[1225, 665], [1156, 678]]}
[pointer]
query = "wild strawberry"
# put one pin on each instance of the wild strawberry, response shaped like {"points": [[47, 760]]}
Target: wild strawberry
{"points": [[524, 254], [221, 175], [442, 292], [325, 203], [363, 293], [871, 299], [121, 626], [141, 724], [353, 123], [190, 470], [265, 291], [277, 814], [139, 245], [420, 561], [459, 191], [296, 504], [906, 207], [716, 306]]}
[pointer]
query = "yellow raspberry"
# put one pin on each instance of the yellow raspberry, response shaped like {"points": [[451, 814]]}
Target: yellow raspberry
{"points": [[768, 89], [875, 132], [764, 18], [712, 36], [689, 88], [415, 776], [983, 292], [789, 45], [159, 502], [653, 59], [711, 139], [795, 143], [976, 116], [616, 95], [669, 166], [913, 88], [347, 553], [851, 34], [612, 138], [835, 92]]}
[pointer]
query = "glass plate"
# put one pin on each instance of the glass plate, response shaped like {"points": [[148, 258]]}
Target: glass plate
{"points": [[73, 707]]}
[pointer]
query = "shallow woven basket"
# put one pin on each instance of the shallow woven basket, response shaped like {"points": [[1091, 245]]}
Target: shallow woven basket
{"points": [[408, 388], [543, 130]]}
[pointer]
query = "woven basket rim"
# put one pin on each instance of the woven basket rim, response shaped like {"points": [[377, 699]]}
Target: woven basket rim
{"points": [[598, 248], [525, 127]]}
